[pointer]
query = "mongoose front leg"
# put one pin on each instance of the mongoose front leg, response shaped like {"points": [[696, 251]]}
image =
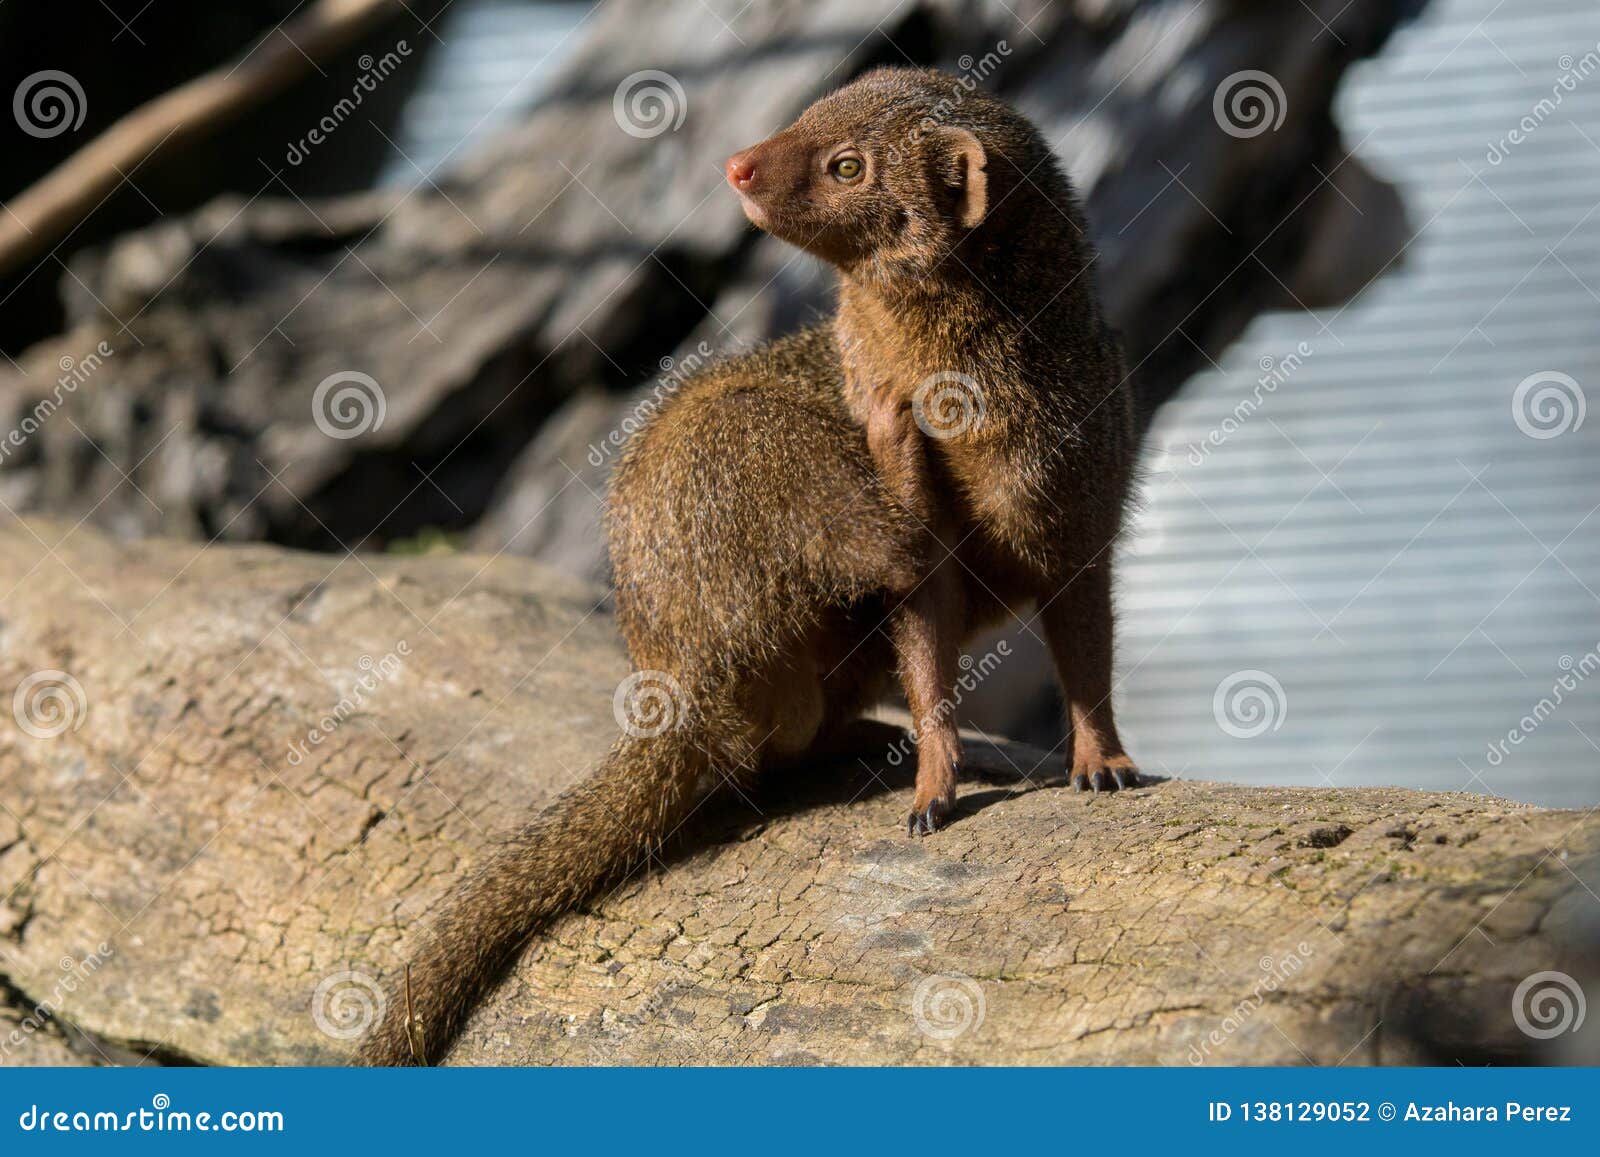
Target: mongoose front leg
{"points": [[926, 628], [900, 453], [1078, 627], [927, 621]]}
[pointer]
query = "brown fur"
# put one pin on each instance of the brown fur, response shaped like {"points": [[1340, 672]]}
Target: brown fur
{"points": [[964, 269], [759, 545]]}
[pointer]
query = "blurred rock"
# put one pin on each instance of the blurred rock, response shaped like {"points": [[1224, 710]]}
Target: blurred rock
{"points": [[123, 53], [1361, 229]]}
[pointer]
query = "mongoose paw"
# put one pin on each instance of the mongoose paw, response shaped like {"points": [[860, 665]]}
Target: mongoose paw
{"points": [[1110, 777], [925, 821]]}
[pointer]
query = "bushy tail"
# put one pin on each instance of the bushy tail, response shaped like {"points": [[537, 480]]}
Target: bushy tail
{"points": [[590, 837]]}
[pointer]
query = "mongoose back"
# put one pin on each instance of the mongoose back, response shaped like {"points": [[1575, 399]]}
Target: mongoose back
{"points": [[779, 570]]}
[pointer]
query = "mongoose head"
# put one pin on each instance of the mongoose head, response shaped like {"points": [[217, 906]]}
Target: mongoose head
{"points": [[884, 177]]}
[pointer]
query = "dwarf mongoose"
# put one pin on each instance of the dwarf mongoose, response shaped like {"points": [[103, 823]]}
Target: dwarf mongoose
{"points": [[778, 570], [975, 355]]}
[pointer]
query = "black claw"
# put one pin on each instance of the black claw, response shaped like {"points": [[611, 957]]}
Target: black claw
{"points": [[1127, 776], [1081, 782], [925, 822], [1103, 781]]}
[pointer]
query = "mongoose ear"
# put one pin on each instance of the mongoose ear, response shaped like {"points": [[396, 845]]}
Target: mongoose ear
{"points": [[963, 163]]}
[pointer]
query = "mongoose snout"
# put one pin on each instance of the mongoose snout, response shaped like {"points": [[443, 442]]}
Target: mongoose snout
{"points": [[742, 170]]}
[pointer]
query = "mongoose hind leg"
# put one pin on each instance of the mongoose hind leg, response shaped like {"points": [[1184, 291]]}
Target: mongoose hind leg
{"points": [[786, 704], [1078, 627]]}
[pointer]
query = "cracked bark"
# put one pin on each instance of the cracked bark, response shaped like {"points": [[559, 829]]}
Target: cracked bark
{"points": [[229, 880]]}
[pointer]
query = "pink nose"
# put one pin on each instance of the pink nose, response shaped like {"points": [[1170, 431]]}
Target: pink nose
{"points": [[741, 170]]}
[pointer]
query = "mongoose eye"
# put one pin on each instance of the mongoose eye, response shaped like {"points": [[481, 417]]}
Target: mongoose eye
{"points": [[846, 168]]}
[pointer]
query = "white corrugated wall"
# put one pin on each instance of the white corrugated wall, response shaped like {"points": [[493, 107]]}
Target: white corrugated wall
{"points": [[1381, 539]]}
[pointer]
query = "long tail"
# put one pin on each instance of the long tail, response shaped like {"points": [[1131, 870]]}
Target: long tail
{"points": [[590, 837]]}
